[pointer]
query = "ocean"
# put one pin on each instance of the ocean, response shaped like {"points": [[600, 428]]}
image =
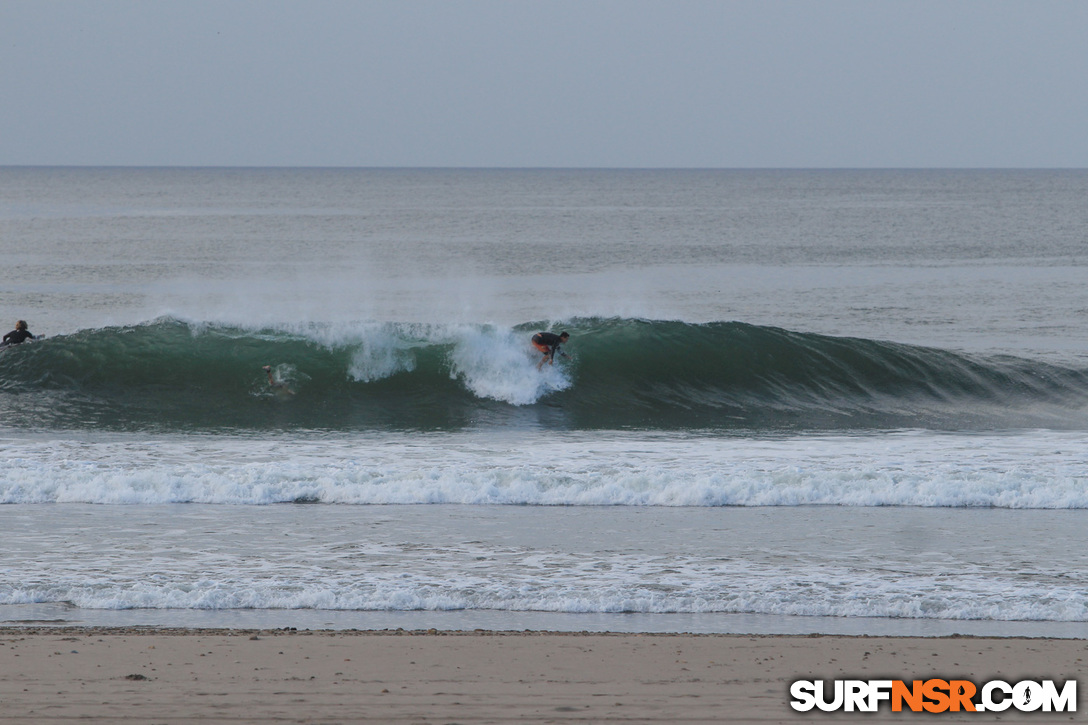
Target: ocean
{"points": [[842, 401]]}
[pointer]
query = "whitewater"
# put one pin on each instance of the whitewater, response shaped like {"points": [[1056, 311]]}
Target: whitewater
{"points": [[1017, 470], [794, 401]]}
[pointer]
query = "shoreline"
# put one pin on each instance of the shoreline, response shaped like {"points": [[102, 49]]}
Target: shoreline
{"points": [[65, 615], [47, 629], [52, 674]]}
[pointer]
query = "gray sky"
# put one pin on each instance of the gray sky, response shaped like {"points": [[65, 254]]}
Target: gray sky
{"points": [[602, 83]]}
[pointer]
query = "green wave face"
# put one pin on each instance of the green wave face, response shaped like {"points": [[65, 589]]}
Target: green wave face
{"points": [[622, 373]]}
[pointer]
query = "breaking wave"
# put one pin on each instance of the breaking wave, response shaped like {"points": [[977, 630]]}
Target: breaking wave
{"points": [[170, 374]]}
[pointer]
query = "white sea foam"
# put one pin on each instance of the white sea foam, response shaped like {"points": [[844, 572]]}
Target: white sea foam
{"points": [[741, 598], [379, 355], [1042, 470], [955, 551], [422, 576], [493, 362], [497, 364]]}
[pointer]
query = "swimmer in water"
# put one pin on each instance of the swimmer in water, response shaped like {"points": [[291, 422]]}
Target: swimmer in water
{"points": [[275, 384]]}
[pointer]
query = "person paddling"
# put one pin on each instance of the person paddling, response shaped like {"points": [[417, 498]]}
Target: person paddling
{"points": [[18, 335], [548, 343]]}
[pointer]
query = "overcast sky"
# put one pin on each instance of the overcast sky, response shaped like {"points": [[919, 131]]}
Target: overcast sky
{"points": [[585, 83]]}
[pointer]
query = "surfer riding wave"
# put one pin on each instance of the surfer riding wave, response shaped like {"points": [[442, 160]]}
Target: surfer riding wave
{"points": [[548, 343]]}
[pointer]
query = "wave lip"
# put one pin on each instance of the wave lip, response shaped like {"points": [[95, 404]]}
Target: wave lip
{"points": [[623, 373]]}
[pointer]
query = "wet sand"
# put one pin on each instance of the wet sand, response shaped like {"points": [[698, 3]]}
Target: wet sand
{"points": [[164, 675]]}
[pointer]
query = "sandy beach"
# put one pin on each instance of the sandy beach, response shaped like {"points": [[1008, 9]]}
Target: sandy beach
{"points": [[160, 675]]}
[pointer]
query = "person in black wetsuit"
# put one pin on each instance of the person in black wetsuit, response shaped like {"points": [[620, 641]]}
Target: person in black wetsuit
{"points": [[548, 343], [18, 335]]}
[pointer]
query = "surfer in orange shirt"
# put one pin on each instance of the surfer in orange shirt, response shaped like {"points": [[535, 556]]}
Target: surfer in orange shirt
{"points": [[548, 343]]}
